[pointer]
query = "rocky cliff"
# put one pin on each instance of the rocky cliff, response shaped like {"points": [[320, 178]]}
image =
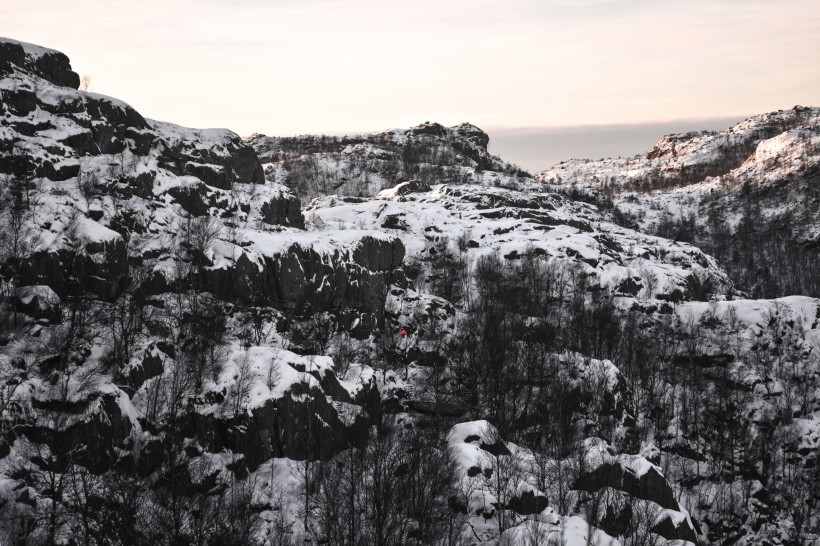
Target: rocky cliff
{"points": [[363, 165], [436, 349]]}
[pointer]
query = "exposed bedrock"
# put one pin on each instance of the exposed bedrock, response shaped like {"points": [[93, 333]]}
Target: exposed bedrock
{"points": [[303, 280]]}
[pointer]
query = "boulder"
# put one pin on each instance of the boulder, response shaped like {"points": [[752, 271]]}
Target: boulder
{"points": [[197, 198], [637, 477], [39, 301], [673, 525], [404, 188], [528, 503], [282, 210], [648, 485]]}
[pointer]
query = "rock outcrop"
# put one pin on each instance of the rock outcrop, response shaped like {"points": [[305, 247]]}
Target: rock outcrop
{"points": [[312, 273], [639, 478], [363, 165], [51, 65]]}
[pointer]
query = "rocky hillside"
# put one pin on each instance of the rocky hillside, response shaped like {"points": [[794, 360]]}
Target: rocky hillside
{"points": [[188, 356], [749, 195], [363, 165]]}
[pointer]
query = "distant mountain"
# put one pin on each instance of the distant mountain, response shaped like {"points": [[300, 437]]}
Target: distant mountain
{"points": [[749, 195]]}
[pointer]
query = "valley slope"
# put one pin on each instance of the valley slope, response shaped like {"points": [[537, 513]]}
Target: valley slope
{"points": [[384, 339]]}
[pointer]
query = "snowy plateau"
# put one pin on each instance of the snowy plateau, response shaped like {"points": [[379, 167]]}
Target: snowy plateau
{"points": [[399, 338]]}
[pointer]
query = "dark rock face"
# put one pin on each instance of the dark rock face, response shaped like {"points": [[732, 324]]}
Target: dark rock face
{"points": [[52, 66], [151, 365], [648, 486], [301, 280], [473, 134], [198, 198], [615, 524], [394, 221], [283, 210], [630, 286], [89, 434], [119, 123], [528, 503], [219, 165], [311, 428], [432, 129], [303, 424], [244, 163], [669, 530], [379, 254], [100, 268]]}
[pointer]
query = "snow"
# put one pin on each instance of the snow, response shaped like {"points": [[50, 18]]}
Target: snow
{"points": [[767, 149], [499, 222], [275, 244], [569, 531], [89, 231], [273, 372], [357, 377], [204, 139], [808, 432], [468, 454], [127, 408], [33, 51], [755, 313], [45, 295]]}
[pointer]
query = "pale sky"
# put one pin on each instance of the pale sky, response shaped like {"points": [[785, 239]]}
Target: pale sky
{"points": [[285, 67]]}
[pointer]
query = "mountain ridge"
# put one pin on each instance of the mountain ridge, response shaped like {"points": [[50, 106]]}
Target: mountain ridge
{"points": [[754, 187]]}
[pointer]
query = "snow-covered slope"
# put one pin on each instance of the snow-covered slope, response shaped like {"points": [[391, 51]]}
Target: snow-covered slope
{"points": [[774, 157], [512, 223], [437, 349], [749, 195], [761, 149]]}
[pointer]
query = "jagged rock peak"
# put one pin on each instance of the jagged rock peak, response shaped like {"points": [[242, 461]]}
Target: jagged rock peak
{"points": [[465, 130], [473, 134]]}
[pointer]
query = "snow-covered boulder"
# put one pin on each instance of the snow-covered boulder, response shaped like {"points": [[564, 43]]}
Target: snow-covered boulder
{"points": [[39, 301]]}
